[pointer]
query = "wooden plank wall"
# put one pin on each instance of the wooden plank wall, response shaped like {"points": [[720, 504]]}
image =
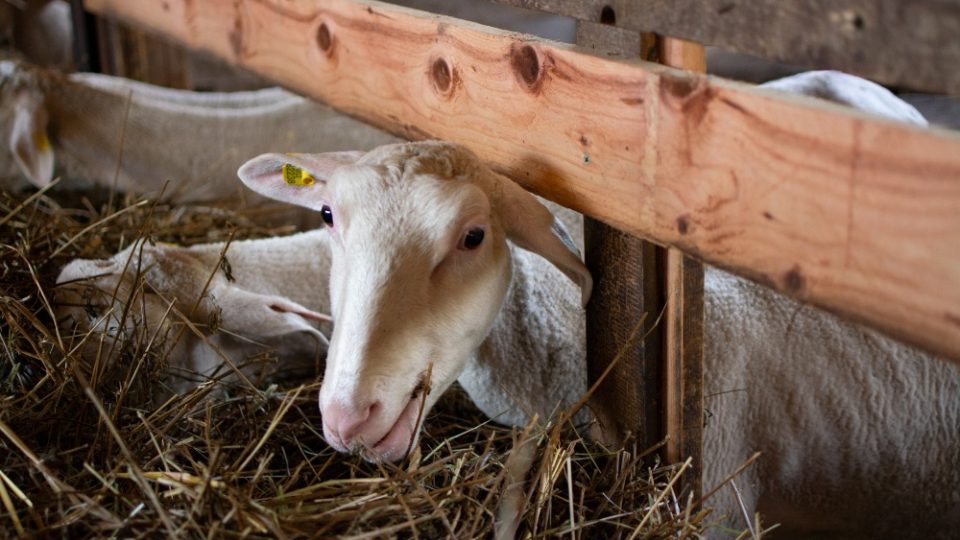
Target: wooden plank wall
{"points": [[856, 215], [106, 46], [135, 54], [912, 44]]}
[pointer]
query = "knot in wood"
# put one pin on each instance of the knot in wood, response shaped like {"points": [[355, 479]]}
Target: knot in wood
{"points": [[441, 75], [794, 282], [679, 86], [324, 38], [526, 65], [849, 21]]}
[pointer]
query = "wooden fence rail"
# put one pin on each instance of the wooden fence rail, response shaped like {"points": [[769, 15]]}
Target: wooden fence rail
{"points": [[849, 35], [854, 214]]}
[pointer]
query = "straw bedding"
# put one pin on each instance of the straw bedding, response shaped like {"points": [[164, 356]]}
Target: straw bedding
{"points": [[86, 449]]}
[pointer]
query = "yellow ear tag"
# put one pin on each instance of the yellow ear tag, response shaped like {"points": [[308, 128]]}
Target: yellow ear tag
{"points": [[41, 141], [295, 176]]}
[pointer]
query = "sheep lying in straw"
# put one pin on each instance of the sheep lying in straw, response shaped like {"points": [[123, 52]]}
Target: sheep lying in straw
{"points": [[860, 434], [114, 131], [203, 308]]}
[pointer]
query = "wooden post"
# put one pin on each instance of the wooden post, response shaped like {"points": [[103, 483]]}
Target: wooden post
{"points": [[683, 322], [627, 289], [655, 391]]}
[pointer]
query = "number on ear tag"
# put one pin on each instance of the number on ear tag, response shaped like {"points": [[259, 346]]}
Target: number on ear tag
{"points": [[295, 176]]}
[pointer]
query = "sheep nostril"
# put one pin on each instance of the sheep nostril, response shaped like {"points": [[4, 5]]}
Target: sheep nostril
{"points": [[348, 423]]}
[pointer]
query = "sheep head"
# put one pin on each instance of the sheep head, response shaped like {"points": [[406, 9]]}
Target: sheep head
{"points": [[420, 268]]}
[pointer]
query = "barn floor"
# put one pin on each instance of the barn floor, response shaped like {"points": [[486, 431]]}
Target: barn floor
{"points": [[86, 452]]}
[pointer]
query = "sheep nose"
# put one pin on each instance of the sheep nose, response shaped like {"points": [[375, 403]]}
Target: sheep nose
{"points": [[342, 423]]}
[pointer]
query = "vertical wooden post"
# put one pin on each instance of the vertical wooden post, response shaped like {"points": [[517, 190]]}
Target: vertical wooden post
{"points": [[683, 336], [655, 391], [627, 288]]}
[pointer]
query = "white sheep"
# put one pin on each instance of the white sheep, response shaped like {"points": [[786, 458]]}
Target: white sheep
{"points": [[861, 94], [201, 307], [861, 435], [108, 129]]}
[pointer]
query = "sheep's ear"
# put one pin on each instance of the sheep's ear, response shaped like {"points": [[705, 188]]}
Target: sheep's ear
{"points": [[533, 227], [294, 178], [264, 315], [29, 142]]}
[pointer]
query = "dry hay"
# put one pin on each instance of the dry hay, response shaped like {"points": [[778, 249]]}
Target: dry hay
{"points": [[84, 454]]}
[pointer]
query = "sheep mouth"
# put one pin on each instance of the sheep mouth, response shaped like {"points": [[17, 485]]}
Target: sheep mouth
{"points": [[401, 437]]}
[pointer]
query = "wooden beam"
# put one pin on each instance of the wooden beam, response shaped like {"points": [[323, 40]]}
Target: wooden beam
{"points": [[582, 10], [854, 214], [849, 35]]}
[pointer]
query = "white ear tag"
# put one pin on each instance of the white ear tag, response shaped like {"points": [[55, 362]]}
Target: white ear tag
{"points": [[295, 176]]}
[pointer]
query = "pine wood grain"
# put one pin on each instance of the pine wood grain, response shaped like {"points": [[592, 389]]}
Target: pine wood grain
{"points": [[856, 215]]}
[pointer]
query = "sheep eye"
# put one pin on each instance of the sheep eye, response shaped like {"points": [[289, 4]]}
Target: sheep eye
{"points": [[472, 239], [327, 215]]}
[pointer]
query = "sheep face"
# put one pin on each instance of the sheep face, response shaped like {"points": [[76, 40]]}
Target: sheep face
{"points": [[419, 270]]}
